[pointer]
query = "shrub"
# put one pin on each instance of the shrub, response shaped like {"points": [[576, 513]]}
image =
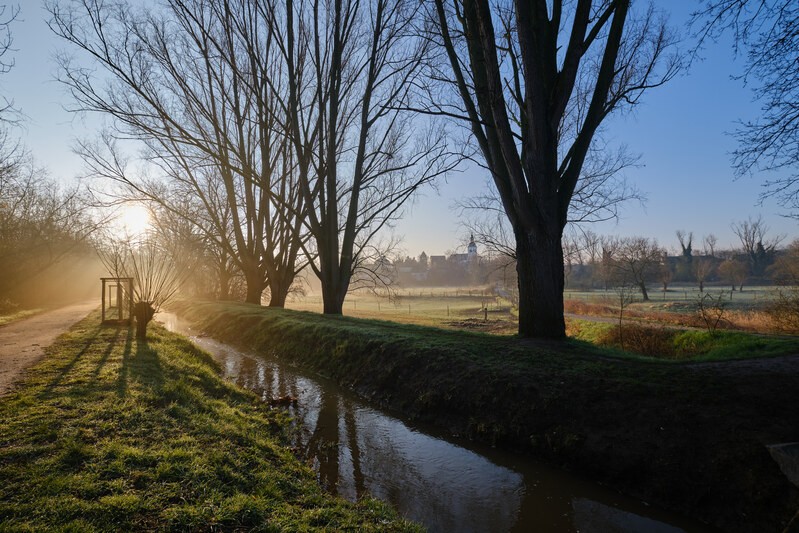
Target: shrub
{"points": [[710, 310], [580, 307], [650, 341], [784, 311]]}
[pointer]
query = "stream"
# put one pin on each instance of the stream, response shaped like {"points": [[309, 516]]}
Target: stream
{"points": [[444, 483]]}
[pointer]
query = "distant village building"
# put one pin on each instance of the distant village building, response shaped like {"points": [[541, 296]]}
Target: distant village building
{"points": [[434, 270], [455, 269], [437, 261], [470, 257]]}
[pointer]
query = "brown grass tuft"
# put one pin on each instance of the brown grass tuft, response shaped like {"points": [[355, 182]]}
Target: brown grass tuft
{"points": [[644, 340]]}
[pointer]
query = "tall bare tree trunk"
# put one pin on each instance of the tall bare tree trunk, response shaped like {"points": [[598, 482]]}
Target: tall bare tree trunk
{"points": [[143, 312], [644, 293], [539, 264], [279, 287], [334, 287], [224, 285], [255, 286]]}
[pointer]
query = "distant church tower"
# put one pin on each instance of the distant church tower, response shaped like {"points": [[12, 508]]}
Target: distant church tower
{"points": [[472, 249]]}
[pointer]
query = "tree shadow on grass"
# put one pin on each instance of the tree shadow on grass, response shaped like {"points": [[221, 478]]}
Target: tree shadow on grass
{"points": [[91, 339], [140, 364], [122, 379]]}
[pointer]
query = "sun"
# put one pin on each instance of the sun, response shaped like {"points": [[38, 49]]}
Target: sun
{"points": [[133, 220]]}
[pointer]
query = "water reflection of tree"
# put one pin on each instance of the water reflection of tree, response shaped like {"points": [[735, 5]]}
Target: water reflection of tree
{"points": [[355, 451], [323, 444], [327, 441], [248, 376]]}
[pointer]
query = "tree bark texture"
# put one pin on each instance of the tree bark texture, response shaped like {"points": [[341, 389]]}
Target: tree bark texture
{"points": [[255, 286], [539, 264], [144, 313]]}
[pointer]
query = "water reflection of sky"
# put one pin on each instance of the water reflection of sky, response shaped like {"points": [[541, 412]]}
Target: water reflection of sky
{"points": [[357, 450]]}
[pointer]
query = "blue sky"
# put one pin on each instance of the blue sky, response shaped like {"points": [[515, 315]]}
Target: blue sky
{"points": [[680, 131]]}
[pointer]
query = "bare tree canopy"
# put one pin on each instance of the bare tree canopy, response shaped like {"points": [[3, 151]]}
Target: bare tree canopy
{"points": [[7, 16], [156, 279], [40, 222], [686, 240], [289, 121], [735, 272], [767, 33], [361, 153], [756, 243], [534, 82], [637, 261], [196, 84]]}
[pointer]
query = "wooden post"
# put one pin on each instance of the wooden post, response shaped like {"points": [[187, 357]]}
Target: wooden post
{"points": [[120, 309], [103, 300]]}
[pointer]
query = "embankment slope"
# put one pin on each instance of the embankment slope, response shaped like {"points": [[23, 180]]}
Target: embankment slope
{"points": [[689, 437]]}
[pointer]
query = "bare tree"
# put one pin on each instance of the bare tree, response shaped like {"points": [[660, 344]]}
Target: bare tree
{"points": [[8, 14], [765, 31], [756, 244], [156, 279], [638, 262], [686, 240], [610, 251], [684, 268], [703, 268], [785, 270], [709, 244], [40, 222], [711, 309], [207, 273], [665, 274], [625, 294], [360, 152], [602, 193], [534, 95], [784, 309], [196, 83], [590, 244], [735, 272]]}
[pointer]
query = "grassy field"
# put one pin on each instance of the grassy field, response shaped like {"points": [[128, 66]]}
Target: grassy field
{"points": [[658, 328], [751, 297], [441, 306], [111, 434], [447, 308]]}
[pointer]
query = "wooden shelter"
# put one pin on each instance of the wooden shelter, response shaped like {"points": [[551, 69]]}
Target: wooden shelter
{"points": [[117, 300]]}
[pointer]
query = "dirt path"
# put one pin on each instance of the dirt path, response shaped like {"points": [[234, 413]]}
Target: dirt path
{"points": [[22, 343]]}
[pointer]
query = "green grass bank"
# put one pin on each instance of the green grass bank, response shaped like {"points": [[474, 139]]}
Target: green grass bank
{"points": [[110, 434], [688, 437]]}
